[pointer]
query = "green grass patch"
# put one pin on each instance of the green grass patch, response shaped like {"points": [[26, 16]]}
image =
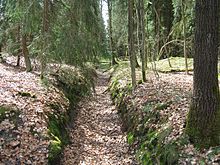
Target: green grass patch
{"points": [[177, 64], [122, 72], [104, 65]]}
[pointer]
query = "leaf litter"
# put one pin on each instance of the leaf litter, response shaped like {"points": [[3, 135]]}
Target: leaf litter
{"points": [[97, 138], [24, 135], [175, 91]]}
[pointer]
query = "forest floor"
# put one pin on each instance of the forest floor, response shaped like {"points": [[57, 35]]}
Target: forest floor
{"points": [[167, 96], [24, 109], [98, 137]]}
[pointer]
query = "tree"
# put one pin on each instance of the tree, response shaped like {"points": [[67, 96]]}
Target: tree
{"points": [[45, 36], [120, 26], [141, 36], [24, 31], [26, 53], [110, 31], [203, 125], [184, 34], [131, 40]]}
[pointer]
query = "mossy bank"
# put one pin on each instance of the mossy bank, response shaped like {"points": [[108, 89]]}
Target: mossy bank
{"points": [[75, 84]]}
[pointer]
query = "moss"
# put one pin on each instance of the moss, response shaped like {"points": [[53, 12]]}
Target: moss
{"points": [[55, 149], [161, 106], [149, 147], [203, 136], [11, 114], [74, 85], [153, 150], [26, 94], [45, 82], [59, 136], [130, 138], [140, 81], [3, 110], [54, 106]]}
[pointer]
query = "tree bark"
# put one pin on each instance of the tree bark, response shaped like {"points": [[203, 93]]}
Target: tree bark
{"points": [[157, 24], [184, 35], [45, 35], [26, 53], [141, 37], [18, 42], [203, 125], [113, 62], [131, 40]]}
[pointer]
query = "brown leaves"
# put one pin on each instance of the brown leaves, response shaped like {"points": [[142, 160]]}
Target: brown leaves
{"points": [[23, 131], [175, 89], [97, 137]]}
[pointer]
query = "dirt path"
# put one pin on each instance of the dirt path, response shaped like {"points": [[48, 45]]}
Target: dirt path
{"points": [[97, 138]]}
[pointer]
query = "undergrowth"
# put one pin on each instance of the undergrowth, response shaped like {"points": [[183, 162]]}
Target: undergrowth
{"points": [[149, 141], [75, 84]]}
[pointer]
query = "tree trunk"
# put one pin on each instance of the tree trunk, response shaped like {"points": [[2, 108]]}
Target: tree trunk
{"points": [[184, 36], [141, 36], [157, 30], [45, 34], [26, 53], [101, 6], [131, 40], [113, 62], [18, 42], [203, 125], [168, 17]]}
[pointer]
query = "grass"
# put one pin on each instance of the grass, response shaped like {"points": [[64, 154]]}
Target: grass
{"points": [[177, 63], [123, 72], [104, 65]]}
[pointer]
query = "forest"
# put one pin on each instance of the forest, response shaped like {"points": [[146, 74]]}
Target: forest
{"points": [[119, 82]]}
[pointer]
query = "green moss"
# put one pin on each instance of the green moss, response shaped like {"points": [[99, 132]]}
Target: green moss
{"points": [[203, 135], [59, 136], [153, 150], [150, 148], [130, 138], [10, 113], [150, 145], [161, 106], [26, 94], [55, 149], [3, 110], [54, 106], [74, 85], [140, 81], [45, 82]]}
